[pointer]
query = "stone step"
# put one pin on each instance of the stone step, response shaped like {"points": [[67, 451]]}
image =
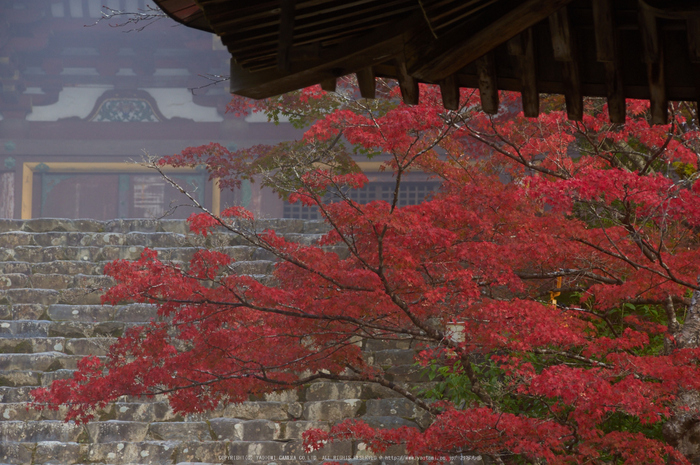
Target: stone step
{"points": [[74, 346], [62, 329], [31, 345], [184, 452], [25, 328], [23, 312], [224, 429], [46, 297], [23, 378], [373, 345], [51, 279], [68, 346], [13, 280], [29, 296], [391, 357], [9, 394], [48, 430], [42, 361], [98, 313], [32, 256], [66, 267], [84, 329], [280, 225], [145, 225], [145, 452], [54, 281], [10, 267]]}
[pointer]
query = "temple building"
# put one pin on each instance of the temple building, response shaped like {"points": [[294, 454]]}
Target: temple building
{"points": [[81, 102]]}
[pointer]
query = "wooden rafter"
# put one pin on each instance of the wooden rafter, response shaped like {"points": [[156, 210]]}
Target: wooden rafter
{"points": [[433, 60], [366, 82], [286, 35], [488, 87], [654, 58], [564, 45], [282, 45], [523, 48], [607, 51], [449, 88], [409, 86]]}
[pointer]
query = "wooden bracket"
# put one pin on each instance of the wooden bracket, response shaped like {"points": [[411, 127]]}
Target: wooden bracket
{"points": [[488, 86], [365, 79], [564, 44], [449, 88], [607, 51], [329, 84], [409, 86], [286, 36], [522, 47], [654, 58]]}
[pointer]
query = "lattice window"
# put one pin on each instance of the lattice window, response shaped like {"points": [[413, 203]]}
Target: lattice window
{"points": [[411, 193]]}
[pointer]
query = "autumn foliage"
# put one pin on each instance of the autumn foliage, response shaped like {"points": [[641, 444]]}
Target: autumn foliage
{"points": [[552, 280]]}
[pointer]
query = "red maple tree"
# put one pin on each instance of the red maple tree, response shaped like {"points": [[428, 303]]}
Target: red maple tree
{"points": [[573, 285]]}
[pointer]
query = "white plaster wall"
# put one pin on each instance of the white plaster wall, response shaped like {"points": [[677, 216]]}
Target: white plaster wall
{"points": [[177, 102], [72, 101]]}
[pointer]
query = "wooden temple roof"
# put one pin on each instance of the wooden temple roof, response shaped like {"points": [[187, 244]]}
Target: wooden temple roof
{"points": [[641, 49]]}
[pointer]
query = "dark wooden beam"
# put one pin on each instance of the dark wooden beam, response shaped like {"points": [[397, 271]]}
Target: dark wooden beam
{"points": [[329, 84], [650, 34], [564, 44], [671, 9], [365, 80], [562, 41], [607, 51], [434, 60], [408, 85], [693, 26], [617, 107], [286, 36], [653, 56], [604, 28], [449, 88], [332, 62], [523, 48], [488, 87]]}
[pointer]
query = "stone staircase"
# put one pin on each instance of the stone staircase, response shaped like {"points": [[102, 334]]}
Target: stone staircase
{"points": [[50, 317]]}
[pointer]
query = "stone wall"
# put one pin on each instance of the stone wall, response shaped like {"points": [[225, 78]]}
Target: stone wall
{"points": [[50, 317]]}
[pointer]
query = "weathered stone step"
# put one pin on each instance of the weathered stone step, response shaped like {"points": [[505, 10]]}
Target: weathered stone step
{"points": [[46, 297], [146, 452], [31, 345], [22, 378], [328, 390], [280, 225], [48, 430], [13, 280], [54, 281], [245, 433], [98, 313], [25, 328], [75, 346], [66, 267], [391, 357], [64, 329], [9, 394], [22, 312], [42, 361], [31, 256], [373, 345], [22, 411], [29, 296]]}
